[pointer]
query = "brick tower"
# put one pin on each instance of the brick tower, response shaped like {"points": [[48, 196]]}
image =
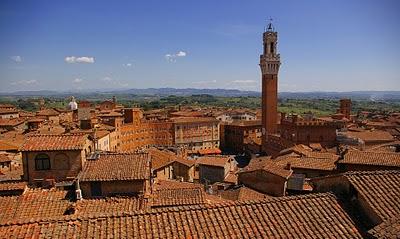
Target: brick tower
{"points": [[269, 64], [345, 107]]}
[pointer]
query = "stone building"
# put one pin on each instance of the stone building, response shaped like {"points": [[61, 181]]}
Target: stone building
{"points": [[307, 130], [52, 116], [196, 132], [108, 104], [265, 176], [114, 174], [137, 132], [236, 115], [167, 165], [236, 136], [54, 157], [214, 169]]}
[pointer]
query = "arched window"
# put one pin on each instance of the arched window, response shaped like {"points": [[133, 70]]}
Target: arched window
{"points": [[61, 161], [42, 162]]}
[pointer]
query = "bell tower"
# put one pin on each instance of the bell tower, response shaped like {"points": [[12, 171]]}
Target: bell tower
{"points": [[269, 64]]}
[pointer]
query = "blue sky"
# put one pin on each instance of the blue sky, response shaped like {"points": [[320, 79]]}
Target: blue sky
{"points": [[336, 45]]}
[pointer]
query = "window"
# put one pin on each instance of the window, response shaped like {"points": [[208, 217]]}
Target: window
{"points": [[42, 162]]}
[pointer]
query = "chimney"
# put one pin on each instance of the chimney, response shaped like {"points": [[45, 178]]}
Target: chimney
{"points": [[288, 166]]}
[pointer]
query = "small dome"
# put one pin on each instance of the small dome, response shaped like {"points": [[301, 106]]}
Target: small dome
{"points": [[73, 105]]}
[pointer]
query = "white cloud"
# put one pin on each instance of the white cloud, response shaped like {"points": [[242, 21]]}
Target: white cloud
{"points": [[181, 53], [127, 65], [24, 82], [173, 57], [78, 80], [16, 59], [81, 59]]}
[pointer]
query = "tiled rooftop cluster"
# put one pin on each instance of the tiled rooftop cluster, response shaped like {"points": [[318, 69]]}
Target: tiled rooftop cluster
{"points": [[217, 161], [123, 166], [109, 205], [243, 194], [372, 158], [174, 193], [380, 189], [34, 204], [310, 161], [177, 197], [266, 164], [161, 158], [313, 216]]}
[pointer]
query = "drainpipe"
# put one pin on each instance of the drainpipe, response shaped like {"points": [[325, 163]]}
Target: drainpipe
{"points": [[78, 191]]}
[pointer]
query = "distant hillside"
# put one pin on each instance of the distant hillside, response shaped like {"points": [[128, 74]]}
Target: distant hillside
{"points": [[162, 92]]}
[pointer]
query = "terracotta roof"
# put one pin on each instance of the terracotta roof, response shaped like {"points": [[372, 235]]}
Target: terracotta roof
{"points": [[35, 120], [51, 142], [113, 166], [380, 190], [389, 229], [267, 165], [298, 148], [177, 197], [109, 205], [371, 136], [216, 161], [11, 186], [175, 193], [11, 122], [2, 106], [8, 111], [312, 216], [26, 114], [162, 158], [371, 158], [303, 162], [48, 112], [171, 184], [243, 194], [33, 204]]}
